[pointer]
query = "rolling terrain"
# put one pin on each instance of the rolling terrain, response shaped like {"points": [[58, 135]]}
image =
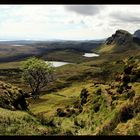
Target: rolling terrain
{"points": [[19, 50], [92, 96]]}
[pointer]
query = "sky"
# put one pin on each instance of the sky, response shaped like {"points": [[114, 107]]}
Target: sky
{"points": [[66, 22]]}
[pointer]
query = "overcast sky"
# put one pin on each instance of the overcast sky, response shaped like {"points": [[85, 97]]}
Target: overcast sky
{"points": [[69, 22]]}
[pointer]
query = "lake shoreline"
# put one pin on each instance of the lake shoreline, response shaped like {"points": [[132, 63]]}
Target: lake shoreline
{"points": [[62, 63]]}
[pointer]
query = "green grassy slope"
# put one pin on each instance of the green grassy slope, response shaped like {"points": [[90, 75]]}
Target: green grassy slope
{"points": [[85, 98], [20, 123], [105, 110], [48, 104]]}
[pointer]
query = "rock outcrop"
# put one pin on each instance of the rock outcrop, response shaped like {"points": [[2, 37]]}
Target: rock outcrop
{"points": [[121, 37], [12, 97], [137, 34]]}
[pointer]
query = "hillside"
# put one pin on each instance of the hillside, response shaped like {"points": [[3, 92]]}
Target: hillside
{"points": [[20, 123], [92, 108], [74, 110], [112, 95], [120, 42], [92, 96], [15, 117]]}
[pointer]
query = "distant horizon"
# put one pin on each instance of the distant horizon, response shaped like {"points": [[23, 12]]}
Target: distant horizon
{"points": [[51, 39]]}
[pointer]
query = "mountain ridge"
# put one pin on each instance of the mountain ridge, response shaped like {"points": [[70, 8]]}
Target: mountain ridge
{"points": [[120, 41]]}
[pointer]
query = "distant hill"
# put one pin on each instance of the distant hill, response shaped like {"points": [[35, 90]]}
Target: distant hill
{"points": [[97, 97], [119, 42], [18, 50]]}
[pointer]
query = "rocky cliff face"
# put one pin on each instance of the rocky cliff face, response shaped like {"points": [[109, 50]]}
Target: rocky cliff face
{"points": [[120, 42], [121, 37], [136, 37], [137, 34]]}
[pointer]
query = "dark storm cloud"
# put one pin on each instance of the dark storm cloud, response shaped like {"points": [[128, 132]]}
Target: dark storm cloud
{"points": [[126, 17], [85, 9]]}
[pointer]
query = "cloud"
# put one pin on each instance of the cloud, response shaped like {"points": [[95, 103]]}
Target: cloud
{"points": [[67, 21], [84, 9], [126, 17]]}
